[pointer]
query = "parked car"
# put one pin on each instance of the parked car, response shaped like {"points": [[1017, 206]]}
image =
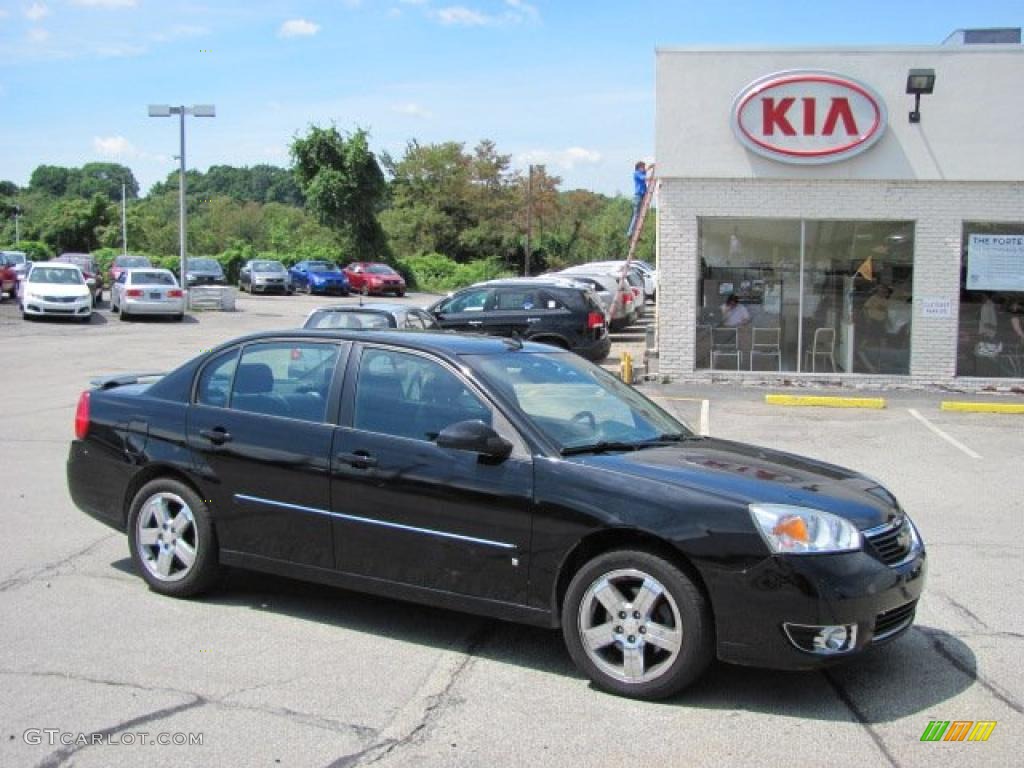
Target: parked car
{"points": [[619, 301], [147, 292], [8, 276], [262, 275], [93, 277], [127, 261], [648, 276], [373, 278], [57, 289], [371, 316], [552, 311], [319, 277], [18, 261], [499, 478], [202, 271]]}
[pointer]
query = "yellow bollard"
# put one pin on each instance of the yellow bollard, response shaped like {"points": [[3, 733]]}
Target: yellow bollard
{"points": [[626, 367]]}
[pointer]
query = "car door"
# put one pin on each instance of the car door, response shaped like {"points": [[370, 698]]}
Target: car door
{"points": [[300, 274], [260, 431], [408, 511], [517, 310], [465, 311]]}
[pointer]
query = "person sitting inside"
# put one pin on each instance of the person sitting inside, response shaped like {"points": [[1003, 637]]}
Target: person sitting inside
{"points": [[734, 314]]}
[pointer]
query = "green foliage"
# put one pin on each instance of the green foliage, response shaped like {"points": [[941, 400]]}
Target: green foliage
{"points": [[258, 184], [72, 224], [34, 250], [344, 188], [89, 180], [436, 273]]}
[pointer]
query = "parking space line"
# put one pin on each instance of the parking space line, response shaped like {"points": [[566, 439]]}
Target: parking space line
{"points": [[704, 427], [948, 438]]}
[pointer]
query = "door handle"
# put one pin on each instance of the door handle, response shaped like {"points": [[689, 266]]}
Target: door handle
{"points": [[217, 436], [358, 460], [475, 322]]}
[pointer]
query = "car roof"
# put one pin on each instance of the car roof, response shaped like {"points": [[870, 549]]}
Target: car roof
{"points": [[439, 342], [375, 307], [543, 282], [133, 270]]}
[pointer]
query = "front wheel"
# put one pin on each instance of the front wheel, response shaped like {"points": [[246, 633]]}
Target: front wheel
{"points": [[636, 625], [171, 539]]}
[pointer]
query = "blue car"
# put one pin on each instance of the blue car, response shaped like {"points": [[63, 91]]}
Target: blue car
{"points": [[319, 277]]}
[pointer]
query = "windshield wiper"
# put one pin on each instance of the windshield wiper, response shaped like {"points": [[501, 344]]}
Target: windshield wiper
{"points": [[602, 447], [675, 437]]}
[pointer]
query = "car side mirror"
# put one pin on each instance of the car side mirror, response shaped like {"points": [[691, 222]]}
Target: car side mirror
{"points": [[477, 437]]}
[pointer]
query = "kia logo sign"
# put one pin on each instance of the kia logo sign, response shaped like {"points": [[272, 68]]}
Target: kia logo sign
{"points": [[808, 116]]}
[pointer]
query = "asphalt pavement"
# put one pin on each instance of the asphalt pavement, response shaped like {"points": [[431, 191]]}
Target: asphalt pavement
{"points": [[268, 671]]}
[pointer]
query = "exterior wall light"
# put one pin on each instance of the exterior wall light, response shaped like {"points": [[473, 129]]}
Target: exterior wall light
{"points": [[919, 81]]}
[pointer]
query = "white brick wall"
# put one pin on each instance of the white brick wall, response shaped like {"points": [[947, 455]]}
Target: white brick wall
{"points": [[937, 208]]}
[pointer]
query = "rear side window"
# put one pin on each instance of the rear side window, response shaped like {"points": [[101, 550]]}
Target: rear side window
{"points": [[509, 299], [284, 378], [470, 301], [215, 380]]}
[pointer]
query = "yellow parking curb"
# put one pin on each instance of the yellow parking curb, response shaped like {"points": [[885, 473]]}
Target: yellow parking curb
{"points": [[826, 401], [967, 407]]}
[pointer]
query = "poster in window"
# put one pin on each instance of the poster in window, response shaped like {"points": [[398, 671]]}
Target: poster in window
{"points": [[995, 263]]}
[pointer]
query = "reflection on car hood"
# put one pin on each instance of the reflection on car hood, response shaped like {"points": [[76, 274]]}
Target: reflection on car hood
{"points": [[747, 474], [80, 290]]}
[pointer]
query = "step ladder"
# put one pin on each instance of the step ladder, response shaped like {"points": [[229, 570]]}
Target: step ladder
{"points": [[634, 238]]}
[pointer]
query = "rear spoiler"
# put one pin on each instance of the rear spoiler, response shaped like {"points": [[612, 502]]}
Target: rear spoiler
{"points": [[123, 379]]}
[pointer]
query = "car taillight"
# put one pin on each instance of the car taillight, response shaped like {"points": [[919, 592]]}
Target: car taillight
{"points": [[636, 293], [133, 293], [175, 293], [627, 298], [595, 320], [82, 416]]}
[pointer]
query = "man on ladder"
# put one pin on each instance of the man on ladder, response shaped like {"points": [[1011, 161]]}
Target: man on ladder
{"points": [[642, 174]]}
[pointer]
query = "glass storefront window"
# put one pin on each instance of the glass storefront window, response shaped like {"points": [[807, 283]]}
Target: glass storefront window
{"points": [[805, 296], [990, 342]]}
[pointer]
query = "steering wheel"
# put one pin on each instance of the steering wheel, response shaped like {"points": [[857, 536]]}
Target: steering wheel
{"points": [[586, 416]]}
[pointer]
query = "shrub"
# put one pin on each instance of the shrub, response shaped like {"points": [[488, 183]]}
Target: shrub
{"points": [[436, 273], [34, 249]]}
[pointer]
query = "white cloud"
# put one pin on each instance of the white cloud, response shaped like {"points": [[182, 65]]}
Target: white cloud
{"points": [[37, 12], [106, 3], [567, 158], [413, 110], [114, 146], [38, 35], [298, 28], [516, 12]]}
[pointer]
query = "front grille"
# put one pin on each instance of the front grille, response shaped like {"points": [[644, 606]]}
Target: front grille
{"points": [[891, 542], [891, 622], [59, 299]]}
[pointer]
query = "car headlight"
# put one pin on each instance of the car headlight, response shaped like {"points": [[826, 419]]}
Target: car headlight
{"points": [[795, 530]]}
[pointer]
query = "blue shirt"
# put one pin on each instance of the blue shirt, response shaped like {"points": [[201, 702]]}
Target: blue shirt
{"points": [[639, 183]]}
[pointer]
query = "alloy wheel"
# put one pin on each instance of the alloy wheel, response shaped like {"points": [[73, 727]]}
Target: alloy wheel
{"points": [[167, 537], [630, 626]]}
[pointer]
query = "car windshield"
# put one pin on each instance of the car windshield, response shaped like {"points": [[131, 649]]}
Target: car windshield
{"points": [[577, 405], [152, 278], [132, 262], [56, 275], [322, 266], [14, 258], [354, 320], [267, 266], [208, 265], [380, 269]]}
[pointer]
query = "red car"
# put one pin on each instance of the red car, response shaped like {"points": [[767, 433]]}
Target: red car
{"points": [[8, 277], [368, 277]]}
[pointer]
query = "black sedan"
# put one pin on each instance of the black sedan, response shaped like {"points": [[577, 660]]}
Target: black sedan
{"points": [[370, 317], [499, 478]]}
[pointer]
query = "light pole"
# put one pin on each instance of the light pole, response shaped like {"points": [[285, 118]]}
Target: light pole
{"points": [[198, 110], [529, 219], [124, 222], [17, 228]]}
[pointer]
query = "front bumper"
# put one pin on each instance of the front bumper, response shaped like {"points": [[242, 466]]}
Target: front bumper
{"points": [[39, 307], [270, 284], [753, 607], [328, 287]]}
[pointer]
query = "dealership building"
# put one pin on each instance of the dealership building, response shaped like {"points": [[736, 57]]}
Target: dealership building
{"points": [[863, 206]]}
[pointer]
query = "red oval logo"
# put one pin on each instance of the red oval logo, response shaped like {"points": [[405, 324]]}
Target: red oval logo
{"points": [[808, 116]]}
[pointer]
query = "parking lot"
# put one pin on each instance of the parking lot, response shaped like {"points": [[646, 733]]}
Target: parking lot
{"points": [[286, 673]]}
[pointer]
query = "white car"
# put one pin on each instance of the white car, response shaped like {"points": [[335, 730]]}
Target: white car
{"points": [[147, 292], [640, 268], [618, 302], [54, 289]]}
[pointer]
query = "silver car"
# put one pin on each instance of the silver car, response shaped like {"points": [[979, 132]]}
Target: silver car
{"points": [[623, 307], [263, 275], [147, 292]]}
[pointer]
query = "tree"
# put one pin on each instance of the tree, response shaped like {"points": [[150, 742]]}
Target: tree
{"points": [[73, 224], [344, 187], [104, 179], [52, 179]]}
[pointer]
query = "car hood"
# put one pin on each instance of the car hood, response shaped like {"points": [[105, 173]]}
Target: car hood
{"points": [[747, 474], [58, 289], [326, 275]]}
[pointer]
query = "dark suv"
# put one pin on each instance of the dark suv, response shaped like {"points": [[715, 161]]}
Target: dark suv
{"points": [[551, 311]]}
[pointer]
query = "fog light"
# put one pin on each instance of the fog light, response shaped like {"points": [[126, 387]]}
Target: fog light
{"points": [[822, 640]]}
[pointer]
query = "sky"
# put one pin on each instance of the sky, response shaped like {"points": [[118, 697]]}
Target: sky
{"points": [[567, 83]]}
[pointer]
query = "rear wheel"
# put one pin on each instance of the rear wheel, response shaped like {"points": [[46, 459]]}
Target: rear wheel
{"points": [[365, 290], [122, 313], [172, 540], [636, 625]]}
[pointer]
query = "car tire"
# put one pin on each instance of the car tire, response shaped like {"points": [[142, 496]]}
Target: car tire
{"points": [[179, 317], [122, 314], [618, 654], [400, 294], [364, 290], [169, 526]]}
